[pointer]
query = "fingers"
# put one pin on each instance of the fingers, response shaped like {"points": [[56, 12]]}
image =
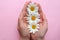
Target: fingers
{"points": [[24, 10], [25, 20], [39, 7], [22, 15], [44, 27], [25, 6], [40, 21], [44, 17]]}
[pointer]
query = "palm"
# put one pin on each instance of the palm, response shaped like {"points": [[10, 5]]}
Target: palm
{"points": [[23, 28], [42, 31]]}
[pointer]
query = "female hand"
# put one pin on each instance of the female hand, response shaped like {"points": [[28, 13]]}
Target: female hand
{"points": [[22, 24], [43, 26]]}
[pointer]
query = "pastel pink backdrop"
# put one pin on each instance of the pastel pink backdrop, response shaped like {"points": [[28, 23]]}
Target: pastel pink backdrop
{"points": [[10, 10]]}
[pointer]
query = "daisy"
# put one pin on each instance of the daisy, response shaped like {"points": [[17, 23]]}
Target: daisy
{"points": [[33, 27], [33, 18], [32, 8]]}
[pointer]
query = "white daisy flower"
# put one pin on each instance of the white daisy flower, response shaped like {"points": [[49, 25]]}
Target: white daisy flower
{"points": [[32, 8], [33, 27], [33, 18]]}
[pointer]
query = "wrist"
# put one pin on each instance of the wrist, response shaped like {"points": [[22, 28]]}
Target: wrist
{"points": [[38, 39], [24, 38]]}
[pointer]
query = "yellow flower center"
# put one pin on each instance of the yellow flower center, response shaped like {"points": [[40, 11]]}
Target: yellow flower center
{"points": [[32, 8], [33, 26], [33, 18]]}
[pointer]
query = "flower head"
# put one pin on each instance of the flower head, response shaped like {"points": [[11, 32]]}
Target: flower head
{"points": [[33, 27], [33, 18], [32, 8]]}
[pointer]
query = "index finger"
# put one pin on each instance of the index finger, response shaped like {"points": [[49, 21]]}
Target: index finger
{"points": [[44, 18], [25, 6]]}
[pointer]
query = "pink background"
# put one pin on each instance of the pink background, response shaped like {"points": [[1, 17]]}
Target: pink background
{"points": [[10, 10]]}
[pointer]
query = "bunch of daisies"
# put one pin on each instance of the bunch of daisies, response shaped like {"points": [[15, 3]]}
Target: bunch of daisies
{"points": [[33, 18]]}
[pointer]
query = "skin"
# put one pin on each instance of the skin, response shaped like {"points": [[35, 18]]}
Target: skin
{"points": [[23, 24]]}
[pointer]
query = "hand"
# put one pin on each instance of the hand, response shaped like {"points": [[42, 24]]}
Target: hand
{"points": [[22, 24], [43, 26]]}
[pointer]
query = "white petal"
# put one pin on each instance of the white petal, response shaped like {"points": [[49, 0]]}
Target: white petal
{"points": [[31, 31], [36, 29], [28, 27], [38, 25], [36, 8], [27, 9], [38, 20]]}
